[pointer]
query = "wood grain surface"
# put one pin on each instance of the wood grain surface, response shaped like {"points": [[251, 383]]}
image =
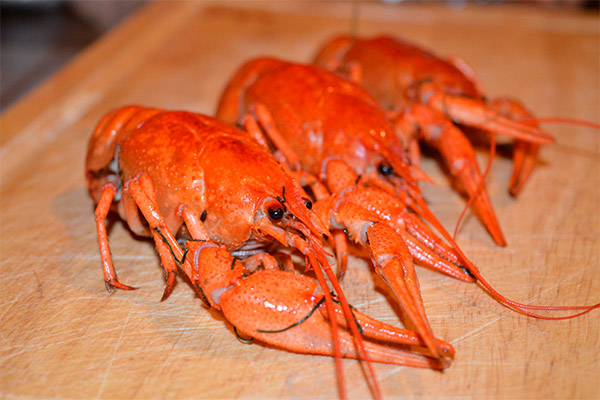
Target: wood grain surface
{"points": [[64, 336]]}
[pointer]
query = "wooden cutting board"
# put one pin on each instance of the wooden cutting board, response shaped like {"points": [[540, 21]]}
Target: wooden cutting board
{"points": [[64, 336]]}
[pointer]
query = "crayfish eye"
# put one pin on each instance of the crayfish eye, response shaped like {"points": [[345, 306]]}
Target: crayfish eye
{"points": [[385, 169], [308, 204], [275, 210], [276, 213]]}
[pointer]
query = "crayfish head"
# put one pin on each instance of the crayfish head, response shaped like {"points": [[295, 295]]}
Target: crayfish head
{"points": [[291, 212], [245, 185], [292, 224]]}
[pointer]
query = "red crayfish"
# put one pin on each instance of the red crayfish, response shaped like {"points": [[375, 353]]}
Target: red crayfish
{"points": [[429, 98], [340, 144], [188, 180]]}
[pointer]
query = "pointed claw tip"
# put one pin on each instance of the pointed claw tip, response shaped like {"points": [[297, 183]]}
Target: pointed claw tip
{"points": [[495, 231], [500, 241], [493, 227]]}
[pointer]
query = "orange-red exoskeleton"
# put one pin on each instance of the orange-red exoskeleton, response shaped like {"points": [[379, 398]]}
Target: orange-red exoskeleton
{"points": [[430, 98], [336, 140], [340, 143], [188, 180]]}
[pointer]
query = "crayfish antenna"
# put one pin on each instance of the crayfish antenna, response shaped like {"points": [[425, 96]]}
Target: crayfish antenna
{"points": [[380, 331], [473, 270], [515, 186], [313, 250], [559, 120], [351, 322], [333, 323]]}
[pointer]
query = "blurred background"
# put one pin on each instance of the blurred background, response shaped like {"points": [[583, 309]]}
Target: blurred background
{"points": [[39, 36]]}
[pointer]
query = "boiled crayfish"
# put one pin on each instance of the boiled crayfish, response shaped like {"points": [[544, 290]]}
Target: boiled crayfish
{"points": [[428, 98], [211, 186], [341, 144]]}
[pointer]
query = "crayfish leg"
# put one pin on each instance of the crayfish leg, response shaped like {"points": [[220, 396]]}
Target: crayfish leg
{"points": [[266, 120], [524, 153], [458, 155], [524, 160], [142, 191], [475, 113], [393, 211], [110, 276], [422, 243], [168, 263]]}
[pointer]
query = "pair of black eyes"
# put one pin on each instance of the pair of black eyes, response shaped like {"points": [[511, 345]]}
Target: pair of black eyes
{"points": [[276, 213], [385, 169]]}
